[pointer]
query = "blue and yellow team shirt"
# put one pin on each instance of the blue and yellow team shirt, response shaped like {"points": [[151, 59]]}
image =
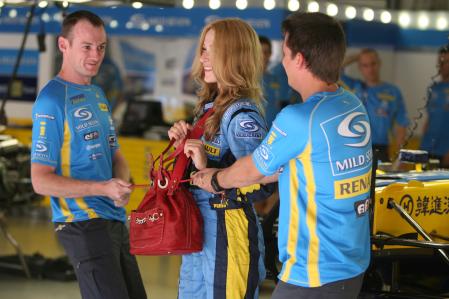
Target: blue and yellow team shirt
{"points": [[436, 137], [73, 131], [384, 104], [322, 149]]}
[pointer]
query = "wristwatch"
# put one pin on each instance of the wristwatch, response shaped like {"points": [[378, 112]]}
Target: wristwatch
{"points": [[214, 183]]}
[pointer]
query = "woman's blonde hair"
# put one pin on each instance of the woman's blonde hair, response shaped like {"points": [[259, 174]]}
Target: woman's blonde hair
{"points": [[237, 65]]}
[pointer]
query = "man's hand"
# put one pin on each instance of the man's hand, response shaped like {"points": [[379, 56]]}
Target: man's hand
{"points": [[179, 131], [118, 191], [202, 179], [194, 148]]}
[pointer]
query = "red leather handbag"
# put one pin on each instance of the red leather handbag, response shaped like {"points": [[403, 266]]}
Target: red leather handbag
{"points": [[168, 221]]}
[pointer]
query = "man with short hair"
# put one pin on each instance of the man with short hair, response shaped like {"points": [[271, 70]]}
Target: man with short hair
{"points": [[320, 151], [435, 139], [77, 161], [271, 85], [382, 100]]}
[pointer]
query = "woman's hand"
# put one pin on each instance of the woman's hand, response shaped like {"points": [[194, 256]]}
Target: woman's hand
{"points": [[179, 131], [194, 148]]}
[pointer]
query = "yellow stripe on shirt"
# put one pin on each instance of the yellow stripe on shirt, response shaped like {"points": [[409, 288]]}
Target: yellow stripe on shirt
{"points": [[293, 225], [311, 217], [238, 253], [83, 206], [65, 169]]}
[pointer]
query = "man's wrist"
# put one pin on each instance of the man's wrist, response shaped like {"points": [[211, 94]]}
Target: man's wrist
{"points": [[214, 182]]}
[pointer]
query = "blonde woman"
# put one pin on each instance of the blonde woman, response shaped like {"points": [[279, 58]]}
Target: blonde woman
{"points": [[228, 67]]}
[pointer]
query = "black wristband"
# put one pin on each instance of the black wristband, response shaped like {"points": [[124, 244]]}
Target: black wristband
{"points": [[214, 182]]}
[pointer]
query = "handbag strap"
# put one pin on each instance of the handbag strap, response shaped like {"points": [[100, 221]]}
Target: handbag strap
{"points": [[182, 160]]}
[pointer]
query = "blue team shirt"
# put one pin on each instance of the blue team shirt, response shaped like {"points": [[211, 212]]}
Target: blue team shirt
{"points": [[73, 131], [384, 104], [272, 94], [277, 92], [436, 137], [323, 150]]}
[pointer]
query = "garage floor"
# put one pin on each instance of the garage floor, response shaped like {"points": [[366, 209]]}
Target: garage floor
{"points": [[34, 232]]}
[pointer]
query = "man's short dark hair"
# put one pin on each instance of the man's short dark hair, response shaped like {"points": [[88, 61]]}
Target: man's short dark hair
{"points": [[320, 39], [72, 19], [264, 40]]}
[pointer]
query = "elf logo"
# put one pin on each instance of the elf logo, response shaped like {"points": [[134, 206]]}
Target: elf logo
{"points": [[91, 135]]}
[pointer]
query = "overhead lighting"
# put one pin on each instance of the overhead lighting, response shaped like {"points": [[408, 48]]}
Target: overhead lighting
{"points": [[313, 6], [332, 9], [58, 17], [65, 4], [14, 1], [214, 4], [441, 23], [45, 17], [145, 26], [188, 4], [404, 19], [12, 13], [241, 4], [159, 28], [293, 5], [350, 12], [2, 4], [73, 1], [368, 14], [385, 17], [423, 21], [43, 4], [137, 5], [113, 24], [269, 4]]}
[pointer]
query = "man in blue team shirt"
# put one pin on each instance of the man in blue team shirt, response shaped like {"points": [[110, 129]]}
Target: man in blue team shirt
{"points": [[277, 92], [382, 100], [320, 152], [77, 161], [436, 134], [271, 83]]}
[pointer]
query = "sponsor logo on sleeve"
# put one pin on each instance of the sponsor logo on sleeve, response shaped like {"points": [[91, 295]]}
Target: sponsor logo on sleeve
{"points": [[41, 147], [46, 116], [41, 151], [42, 128], [271, 138], [263, 155], [248, 129], [279, 130]]}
